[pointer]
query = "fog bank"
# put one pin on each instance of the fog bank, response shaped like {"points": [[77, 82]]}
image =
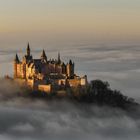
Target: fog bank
{"points": [[27, 119]]}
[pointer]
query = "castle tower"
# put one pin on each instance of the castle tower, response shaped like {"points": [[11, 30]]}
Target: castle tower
{"points": [[28, 57], [28, 50], [59, 59], [70, 70], [43, 56], [63, 68], [16, 62]]}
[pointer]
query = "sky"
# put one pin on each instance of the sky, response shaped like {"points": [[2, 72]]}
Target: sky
{"points": [[81, 19]]}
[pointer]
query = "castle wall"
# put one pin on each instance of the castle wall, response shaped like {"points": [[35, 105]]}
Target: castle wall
{"points": [[15, 69], [58, 69], [23, 71], [84, 81], [64, 69], [70, 70], [45, 88], [61, 82], [30, 83], [35, 83], [77, 82], [74, 82], [53, 68], [19, 72], [29, 72], [45, 69]]}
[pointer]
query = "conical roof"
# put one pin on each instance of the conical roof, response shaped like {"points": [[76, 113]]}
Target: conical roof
{"points": [[43, 56], [28, 47], [16, 58], [70, 62]]}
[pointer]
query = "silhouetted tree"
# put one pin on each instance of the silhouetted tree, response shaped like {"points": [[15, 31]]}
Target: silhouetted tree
{"points": [[99, 92]]}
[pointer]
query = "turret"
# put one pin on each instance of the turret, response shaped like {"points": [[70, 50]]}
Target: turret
{"points": [[28, 57], [59, 59], [70, 62], [16, 62], [63, 68], [28, 50], [70, 69], [43, 56]]}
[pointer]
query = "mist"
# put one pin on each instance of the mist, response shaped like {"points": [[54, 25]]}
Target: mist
{"points": [[22, 117]]}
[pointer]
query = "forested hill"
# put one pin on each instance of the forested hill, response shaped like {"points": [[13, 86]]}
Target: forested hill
{"points": [[100, 93]]}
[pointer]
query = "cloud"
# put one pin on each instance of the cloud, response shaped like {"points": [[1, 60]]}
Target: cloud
{"points": [[27, 119], [64, 120]]}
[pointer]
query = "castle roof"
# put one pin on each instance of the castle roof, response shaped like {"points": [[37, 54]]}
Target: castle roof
{"points": [[43, 56], [16, 59], [59, 59], [70, 62], [28, 47], [37, 64]]}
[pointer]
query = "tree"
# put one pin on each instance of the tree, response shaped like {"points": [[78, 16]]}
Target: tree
{"points": [[99, 92]]}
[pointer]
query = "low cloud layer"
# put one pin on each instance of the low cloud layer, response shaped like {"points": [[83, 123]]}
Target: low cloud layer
{"points": [[28, 119], [63, 120]]}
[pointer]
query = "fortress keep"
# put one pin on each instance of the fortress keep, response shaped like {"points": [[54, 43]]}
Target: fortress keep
{"points": [[46, 75]]}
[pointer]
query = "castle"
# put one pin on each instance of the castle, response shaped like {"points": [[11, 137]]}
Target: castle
{"points": [[46, 75]]}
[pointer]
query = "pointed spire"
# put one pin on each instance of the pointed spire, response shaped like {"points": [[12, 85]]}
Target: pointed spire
{"points": [[59, 59], [70, 62], [63, 64], [28, 46], [16, 59], [28, 49], [43, 56]]}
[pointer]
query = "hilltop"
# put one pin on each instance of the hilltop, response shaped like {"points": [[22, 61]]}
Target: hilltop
{"points": [[97, 92]]}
